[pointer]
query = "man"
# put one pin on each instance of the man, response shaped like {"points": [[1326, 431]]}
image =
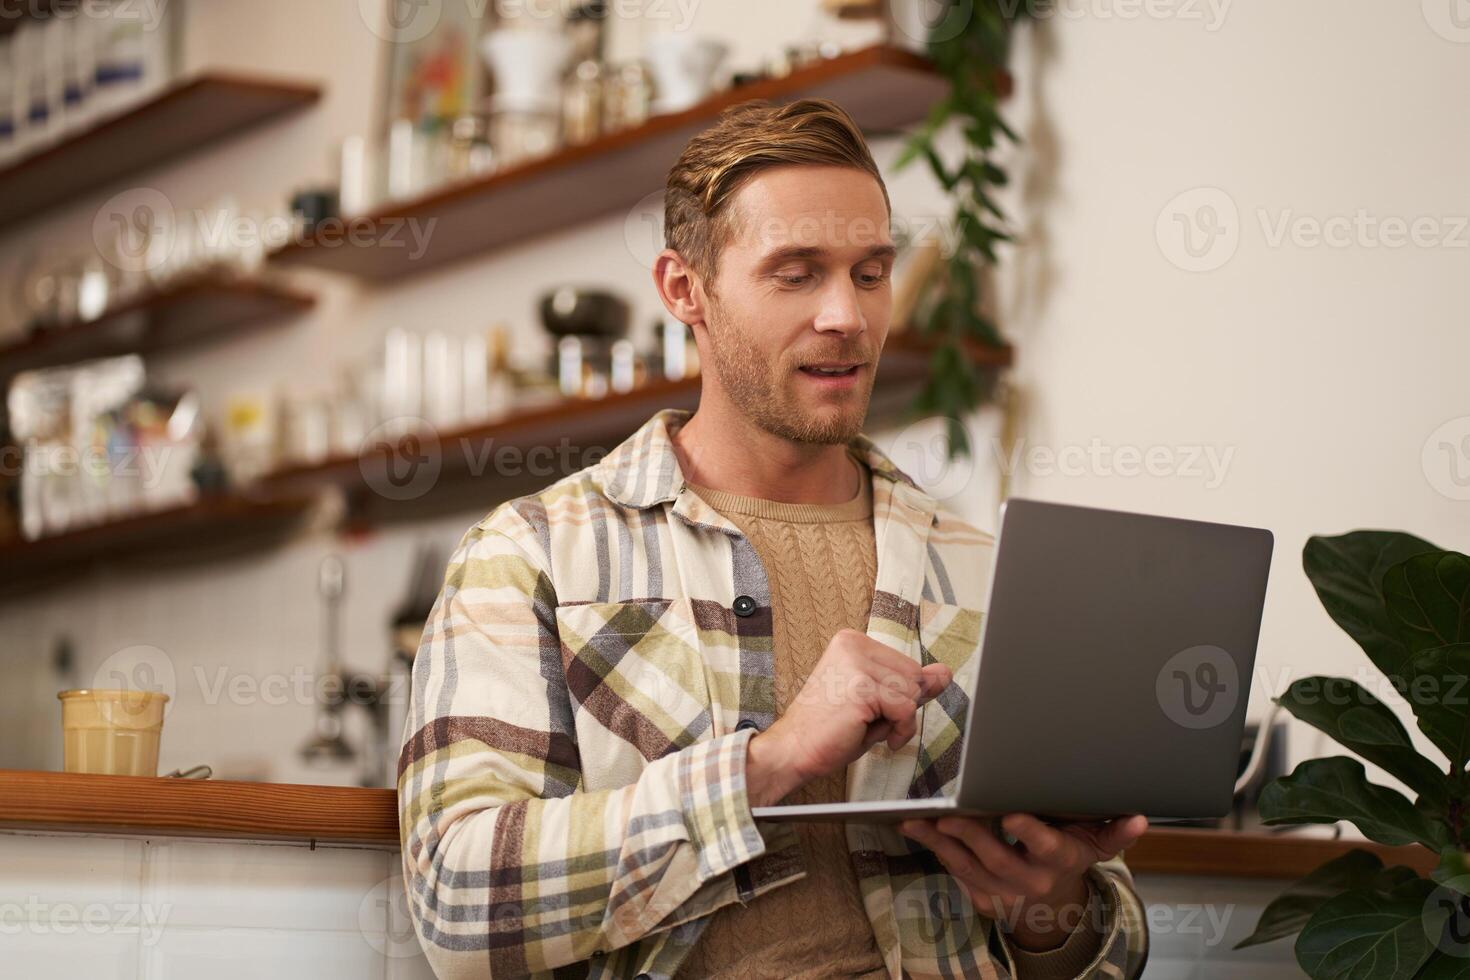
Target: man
{"points": [[744, 606]]}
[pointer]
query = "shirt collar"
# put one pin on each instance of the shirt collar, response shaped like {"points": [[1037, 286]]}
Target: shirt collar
{"points": [[643, 470]]}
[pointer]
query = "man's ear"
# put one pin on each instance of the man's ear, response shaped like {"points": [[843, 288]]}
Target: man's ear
{"points": [[679, 287]]}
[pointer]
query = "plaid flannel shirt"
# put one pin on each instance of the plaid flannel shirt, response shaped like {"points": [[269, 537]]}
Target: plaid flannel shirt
{"points": [[571, 784]]}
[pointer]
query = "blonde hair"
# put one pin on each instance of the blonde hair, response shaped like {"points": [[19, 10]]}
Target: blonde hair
{"points": [[748, 138]]}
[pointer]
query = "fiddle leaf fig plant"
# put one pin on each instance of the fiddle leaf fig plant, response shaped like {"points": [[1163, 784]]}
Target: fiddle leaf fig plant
{"points": [[1407, 604]]}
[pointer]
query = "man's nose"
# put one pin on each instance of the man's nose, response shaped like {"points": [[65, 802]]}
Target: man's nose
{"points": [[840, 311]]}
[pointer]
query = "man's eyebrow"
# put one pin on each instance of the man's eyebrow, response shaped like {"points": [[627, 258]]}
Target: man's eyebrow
{"points": [[813, 251]]}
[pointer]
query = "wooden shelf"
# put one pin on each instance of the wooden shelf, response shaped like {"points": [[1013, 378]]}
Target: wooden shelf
{"points": [[171, 318], [188, 116], [74, 802], [213, 526], [211, 808], [1216, 853], [882, 87], [585, 422]]}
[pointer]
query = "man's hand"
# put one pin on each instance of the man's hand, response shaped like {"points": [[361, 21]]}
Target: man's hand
{"points": [[859, 693], [1037, 887]]}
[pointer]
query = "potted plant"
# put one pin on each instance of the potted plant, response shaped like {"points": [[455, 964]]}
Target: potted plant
{"points": [[1407, 604], [969, 44]]}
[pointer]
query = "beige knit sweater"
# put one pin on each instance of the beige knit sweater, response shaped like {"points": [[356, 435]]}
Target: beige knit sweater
{"points": [[821, 563]]}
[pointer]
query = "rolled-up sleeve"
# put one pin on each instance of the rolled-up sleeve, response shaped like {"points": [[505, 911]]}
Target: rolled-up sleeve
{"points": [[1111, 941]]}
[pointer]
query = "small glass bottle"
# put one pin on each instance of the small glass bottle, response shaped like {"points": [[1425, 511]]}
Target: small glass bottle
{"points": [[582, 104], [628, 97]]}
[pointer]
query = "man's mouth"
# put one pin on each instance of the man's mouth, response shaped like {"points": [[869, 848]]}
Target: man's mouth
{"points": [[831, 370]]}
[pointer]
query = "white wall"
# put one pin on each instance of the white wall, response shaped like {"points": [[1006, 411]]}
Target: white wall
{"points": [[1321, 371], [136, 908]]}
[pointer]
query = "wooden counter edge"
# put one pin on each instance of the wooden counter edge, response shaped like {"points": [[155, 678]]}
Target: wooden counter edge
{"points": [[1228, 854], [214, 808]]}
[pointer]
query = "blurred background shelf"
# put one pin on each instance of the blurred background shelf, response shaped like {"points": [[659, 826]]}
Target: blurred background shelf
{"points": [[460, 465], [186, 117], [211, 528], [882, 87], [449, 470], [172, 317]]}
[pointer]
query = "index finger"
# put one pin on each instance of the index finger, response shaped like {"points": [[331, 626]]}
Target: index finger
{"points": [[1040, 840]]}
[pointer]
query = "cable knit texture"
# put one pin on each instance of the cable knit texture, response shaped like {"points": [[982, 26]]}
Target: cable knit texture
{"points": [[821, 562]]}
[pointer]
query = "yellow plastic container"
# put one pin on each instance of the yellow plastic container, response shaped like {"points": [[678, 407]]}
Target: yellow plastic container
{"points": [[112, 733]]}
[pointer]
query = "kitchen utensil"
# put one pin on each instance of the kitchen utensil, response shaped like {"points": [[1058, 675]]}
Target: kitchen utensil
{"points": [[570, 310], [528, 65], [684, 68]]}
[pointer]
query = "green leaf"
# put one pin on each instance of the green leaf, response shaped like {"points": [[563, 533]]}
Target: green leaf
{"points": [[1453, 870], [997, 176], [1439, 692], [1347, 571], [1452, 940], [1360, 722], [935, 164], [1290, 910], [1371, 935], [1428, 598], [1329, 790], [910, 152], [1444, 966]]}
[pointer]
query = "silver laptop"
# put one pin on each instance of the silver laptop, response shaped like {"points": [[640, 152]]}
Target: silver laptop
{"points": [[1116, 659]]}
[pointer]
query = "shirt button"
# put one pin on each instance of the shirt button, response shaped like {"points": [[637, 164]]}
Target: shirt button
{"points": [[745, 723], [744, 605]]}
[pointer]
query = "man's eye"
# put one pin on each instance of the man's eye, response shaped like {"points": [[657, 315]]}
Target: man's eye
{"points": [[873, 278], [794, 279]]}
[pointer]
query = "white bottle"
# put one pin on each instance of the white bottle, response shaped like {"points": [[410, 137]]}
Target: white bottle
{"points": [[119, 45], [56, 39], [81, 74], [33, 112], [157, 48], [8, 146]]}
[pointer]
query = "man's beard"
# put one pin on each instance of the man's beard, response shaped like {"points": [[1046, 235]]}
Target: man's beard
{"points": [[760, 387]]}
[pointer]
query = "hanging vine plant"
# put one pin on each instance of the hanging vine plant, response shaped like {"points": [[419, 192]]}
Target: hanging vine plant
{"points": [[970, 46]]}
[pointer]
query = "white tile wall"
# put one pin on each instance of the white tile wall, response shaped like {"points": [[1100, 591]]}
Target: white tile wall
{"points": [[169, 909], [122, 908], [239, 640], [1194, 922]]}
